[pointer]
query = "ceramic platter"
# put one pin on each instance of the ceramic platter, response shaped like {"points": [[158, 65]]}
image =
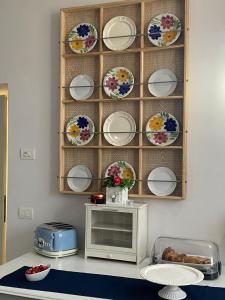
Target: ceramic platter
{"points": [[80, 130], [79, 178], [162, 129], [162, 181], [172, 276], [164, 30], [82, 38], [119, 128], [123, 27], [81, 87], [162, 83], [118, 82], [122, 169]]}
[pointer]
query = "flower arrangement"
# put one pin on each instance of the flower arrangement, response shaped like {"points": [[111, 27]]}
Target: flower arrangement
{"points": [[117, 181]]}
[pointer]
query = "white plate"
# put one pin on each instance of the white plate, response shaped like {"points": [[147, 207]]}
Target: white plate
{"points": [[121, 128], [169, 274], [83, 180], [162, 83], [162, 181], [81, 87], [119, 26]]}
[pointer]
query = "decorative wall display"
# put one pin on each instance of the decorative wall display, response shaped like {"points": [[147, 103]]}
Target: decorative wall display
{"points": [[133, 94]]}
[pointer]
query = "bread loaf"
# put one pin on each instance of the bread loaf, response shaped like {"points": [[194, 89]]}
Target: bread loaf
{"points": [[169, 254]]}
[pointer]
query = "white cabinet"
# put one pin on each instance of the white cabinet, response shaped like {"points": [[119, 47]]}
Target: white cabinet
{"points": [[116, 232]]}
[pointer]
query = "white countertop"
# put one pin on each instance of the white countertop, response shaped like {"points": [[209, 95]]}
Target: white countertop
{"points": [[77, 263]]}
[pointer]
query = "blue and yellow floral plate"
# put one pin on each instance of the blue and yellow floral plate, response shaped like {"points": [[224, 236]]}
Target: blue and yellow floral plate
{"points": [[164, 30], [80, 130], [83, 38], [162, 129], [118, 82]]}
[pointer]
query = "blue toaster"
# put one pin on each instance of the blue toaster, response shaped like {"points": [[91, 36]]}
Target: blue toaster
{"points": [[55, 239]]}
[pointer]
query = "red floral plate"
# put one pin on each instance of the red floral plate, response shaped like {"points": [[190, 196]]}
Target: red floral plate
{"points": [[162, 129], [122, 169]]}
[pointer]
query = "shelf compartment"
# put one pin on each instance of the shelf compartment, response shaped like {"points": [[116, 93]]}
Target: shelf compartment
{"points": [[157, 7], [173, 60], [74, 17], [173, 107], [81, 65], [167, 158], [87, 157], [91, 111], [130, 107], [110, 156], [117, 239], [129, 61], [130, 10]]}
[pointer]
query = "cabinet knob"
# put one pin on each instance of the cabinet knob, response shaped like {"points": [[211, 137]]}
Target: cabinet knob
{"points": [[109, 255]]}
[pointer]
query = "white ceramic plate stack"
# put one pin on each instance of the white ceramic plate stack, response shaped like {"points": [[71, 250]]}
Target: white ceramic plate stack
{"points": [[162, 83], [79, 178], [172, 276], [162, 181], [119, 128], [81, 87], [119, 33]]}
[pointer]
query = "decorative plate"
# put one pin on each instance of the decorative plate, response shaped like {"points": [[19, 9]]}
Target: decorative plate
{"points": [[162, 129], [81, 87], [162, 181], [162, 83], [118, 82], [164, 30], [79, 178], [82, 38], [119, 128], [122, 169], [119, 33], [80, 130]]}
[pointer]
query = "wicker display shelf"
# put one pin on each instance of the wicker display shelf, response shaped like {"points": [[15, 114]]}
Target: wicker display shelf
{"points": [[142, 58]]}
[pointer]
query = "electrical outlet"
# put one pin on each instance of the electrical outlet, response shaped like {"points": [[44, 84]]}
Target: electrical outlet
{"points": [[25, 213], [26, 153]]}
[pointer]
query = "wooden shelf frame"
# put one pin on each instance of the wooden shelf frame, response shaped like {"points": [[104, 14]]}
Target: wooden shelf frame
{"points": [[138, 101]]}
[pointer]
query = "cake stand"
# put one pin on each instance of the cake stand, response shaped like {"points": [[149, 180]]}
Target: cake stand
{"points": [[172, 276]]}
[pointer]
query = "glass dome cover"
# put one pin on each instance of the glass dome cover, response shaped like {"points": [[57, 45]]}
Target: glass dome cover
{"points": [[202, 255]]}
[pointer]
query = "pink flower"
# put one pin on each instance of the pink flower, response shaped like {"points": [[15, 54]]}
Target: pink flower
{"points": [[117, 180], [89, 41], [84, 135], [167, 22], [113, 171], [160, 137], [111, 83]]}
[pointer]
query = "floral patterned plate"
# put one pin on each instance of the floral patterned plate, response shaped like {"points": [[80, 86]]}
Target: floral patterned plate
{"points": [[80, 130], [118, 82], [122, 169], [164, 30], [82, 38], [162, 129]]}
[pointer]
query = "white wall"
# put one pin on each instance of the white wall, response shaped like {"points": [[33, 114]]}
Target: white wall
{"points": [[29, 62]]}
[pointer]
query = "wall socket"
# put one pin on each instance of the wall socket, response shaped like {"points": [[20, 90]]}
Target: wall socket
{"points": [[25, 213], [27, 153]]}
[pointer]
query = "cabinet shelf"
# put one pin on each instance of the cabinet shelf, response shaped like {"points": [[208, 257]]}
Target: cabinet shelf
{"points": [[112, 227], [124, 147], [132, 50]]}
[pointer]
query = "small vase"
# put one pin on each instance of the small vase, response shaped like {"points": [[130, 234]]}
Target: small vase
{"points": [[116, 195]]}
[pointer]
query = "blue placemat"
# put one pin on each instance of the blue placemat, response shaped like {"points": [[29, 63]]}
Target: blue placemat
{"points": [[103, 286]]}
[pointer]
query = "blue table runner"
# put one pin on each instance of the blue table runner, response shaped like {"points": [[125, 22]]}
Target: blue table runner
{"points": [[103, 286]]}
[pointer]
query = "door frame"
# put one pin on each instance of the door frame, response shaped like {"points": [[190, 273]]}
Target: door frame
{"points": [[4, 195]]}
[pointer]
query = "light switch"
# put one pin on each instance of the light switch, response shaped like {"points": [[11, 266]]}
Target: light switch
{"points": [[25, 213], [27, 153]]}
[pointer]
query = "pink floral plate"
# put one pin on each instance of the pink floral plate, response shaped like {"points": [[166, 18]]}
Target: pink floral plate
{"points": [[122, 169], [80, 130], [162, 129], [164, 30], [83, 38], [118, 82]]}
